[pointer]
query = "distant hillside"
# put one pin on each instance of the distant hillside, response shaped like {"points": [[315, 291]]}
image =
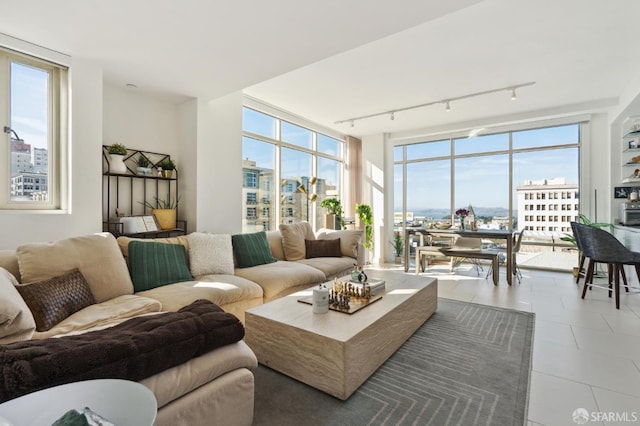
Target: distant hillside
{"points": [[480, 211]]}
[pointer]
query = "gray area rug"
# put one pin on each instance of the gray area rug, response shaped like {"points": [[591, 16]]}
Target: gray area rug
{"points": [[469, 364]]}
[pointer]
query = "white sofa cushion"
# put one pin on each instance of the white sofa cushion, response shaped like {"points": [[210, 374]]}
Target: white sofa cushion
{"points": [[219, 289], [282, 277], [96, 256], [16, 321], [102, 315]]}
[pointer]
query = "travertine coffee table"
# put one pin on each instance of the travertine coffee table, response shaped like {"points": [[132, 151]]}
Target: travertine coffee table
{"points": [[336, 352]]}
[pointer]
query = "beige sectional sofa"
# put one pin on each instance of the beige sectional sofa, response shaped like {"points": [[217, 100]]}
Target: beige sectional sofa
{"points": [[216, 388]]}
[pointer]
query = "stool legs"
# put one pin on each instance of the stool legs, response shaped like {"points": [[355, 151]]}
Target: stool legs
{"points": [[580, 266]]}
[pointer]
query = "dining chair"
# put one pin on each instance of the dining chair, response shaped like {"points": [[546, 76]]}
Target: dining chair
{"points": [[465, 248], [600, 246], [430, 248], [591, 266], [424, 254]]}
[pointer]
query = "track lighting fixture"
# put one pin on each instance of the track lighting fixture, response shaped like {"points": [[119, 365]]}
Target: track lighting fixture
{"points": [[446, 101]]}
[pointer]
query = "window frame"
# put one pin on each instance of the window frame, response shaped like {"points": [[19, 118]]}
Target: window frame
{"points": [[57, 65], [401, 157], [283, 193]]}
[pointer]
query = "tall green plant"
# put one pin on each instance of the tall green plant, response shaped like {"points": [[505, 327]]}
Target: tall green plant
{"points": [[365, 214], [570, 238], [398, 244]]}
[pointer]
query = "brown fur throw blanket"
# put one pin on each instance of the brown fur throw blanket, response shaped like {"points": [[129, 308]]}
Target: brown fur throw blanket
{"points": [[133, 350]]}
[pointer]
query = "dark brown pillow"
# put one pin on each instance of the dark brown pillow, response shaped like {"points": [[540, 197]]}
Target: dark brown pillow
{"points": [[53, 300], [323, 248]]}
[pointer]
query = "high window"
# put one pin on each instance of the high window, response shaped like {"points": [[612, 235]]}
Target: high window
{"points": [[33, 111], [499, 175], [293, 165]]}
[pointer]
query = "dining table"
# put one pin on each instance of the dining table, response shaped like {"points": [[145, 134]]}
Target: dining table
{"points": [[492, 234]]}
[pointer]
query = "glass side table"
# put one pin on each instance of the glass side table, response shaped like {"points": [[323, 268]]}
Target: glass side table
{"points": [[122, 402]]}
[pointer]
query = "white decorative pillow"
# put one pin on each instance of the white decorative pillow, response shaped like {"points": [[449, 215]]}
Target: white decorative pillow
{"points": [[210, 254], [16, 320]]}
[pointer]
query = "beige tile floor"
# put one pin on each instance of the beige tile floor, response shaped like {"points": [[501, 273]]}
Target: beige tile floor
{"points": [[586, 353]]}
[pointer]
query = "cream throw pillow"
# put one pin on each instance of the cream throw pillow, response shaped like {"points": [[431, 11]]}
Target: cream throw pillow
{"points": [[293, 237], [210, 254], [349, 240], [97, 256], [16, 320]]}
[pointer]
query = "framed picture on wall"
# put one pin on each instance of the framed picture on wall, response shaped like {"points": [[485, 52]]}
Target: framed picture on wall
{"points": [[622, 191]]}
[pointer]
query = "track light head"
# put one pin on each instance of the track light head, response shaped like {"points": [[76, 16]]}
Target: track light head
{"points": [[392, 116], [448, 107], [513, 94]]}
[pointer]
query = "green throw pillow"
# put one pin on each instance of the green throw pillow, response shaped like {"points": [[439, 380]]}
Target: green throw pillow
{"points": [[251, 249], [156, 264]]}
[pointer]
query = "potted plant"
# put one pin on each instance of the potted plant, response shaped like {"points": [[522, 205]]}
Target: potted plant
{"points": [[164, 211], [398, 246], [117, 151], [365, 218], [168, 166], [142, 164], [333, 219]]}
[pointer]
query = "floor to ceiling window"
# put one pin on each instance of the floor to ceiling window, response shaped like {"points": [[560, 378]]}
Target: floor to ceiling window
{"points": [[522, 180], [288, 170]]}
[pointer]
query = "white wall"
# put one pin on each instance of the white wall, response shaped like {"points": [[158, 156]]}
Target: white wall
{"points": [[596, 187], [140, 122], [188, 131], [619, 122], [219, 165], [84, 215], [375, 187], [143, 123]]}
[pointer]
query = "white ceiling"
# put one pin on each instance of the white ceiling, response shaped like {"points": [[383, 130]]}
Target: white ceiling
{"points": [[338, 59]]}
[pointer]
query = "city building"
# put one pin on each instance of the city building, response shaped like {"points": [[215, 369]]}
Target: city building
{"points": [[547, 206], [29, 172], [257, 197]]}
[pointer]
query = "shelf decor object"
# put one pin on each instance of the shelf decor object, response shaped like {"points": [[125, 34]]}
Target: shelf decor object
{"points": [[166, 218], [117, 151]]}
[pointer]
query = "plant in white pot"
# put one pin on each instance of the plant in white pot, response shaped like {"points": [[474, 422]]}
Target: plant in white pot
{"points": [[117, 151]]}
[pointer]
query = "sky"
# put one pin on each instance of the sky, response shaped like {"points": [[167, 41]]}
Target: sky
{"points": [[484, 180], [29, 90]]}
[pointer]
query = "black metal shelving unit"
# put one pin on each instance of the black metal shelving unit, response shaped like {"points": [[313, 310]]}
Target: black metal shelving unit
{"points": [[139, 191]]}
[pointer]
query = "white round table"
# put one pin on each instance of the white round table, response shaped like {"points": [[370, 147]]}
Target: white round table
{"points": [[122, 402]]}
